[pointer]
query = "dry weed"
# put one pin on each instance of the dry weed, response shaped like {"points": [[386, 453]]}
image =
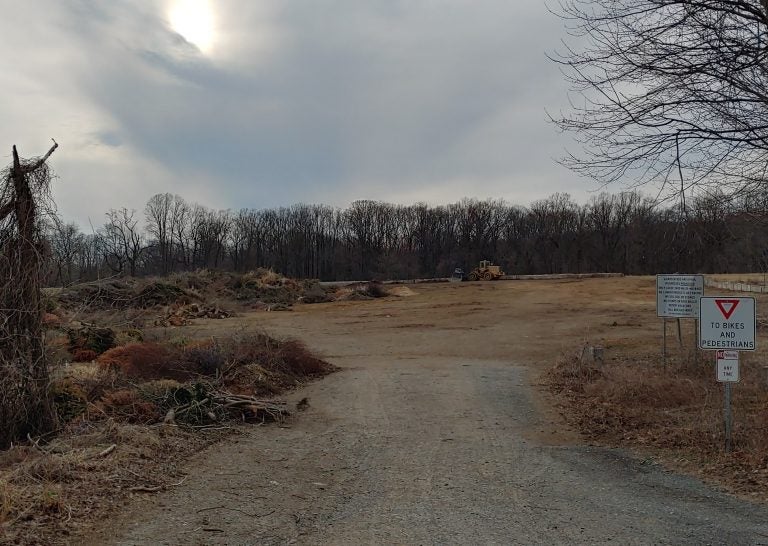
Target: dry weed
{"points": [[677, 411], [142, 361]]}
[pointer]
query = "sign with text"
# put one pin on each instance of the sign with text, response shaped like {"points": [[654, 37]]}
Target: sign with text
{"points": [[727, 323], [728, 366], [677, 296]]}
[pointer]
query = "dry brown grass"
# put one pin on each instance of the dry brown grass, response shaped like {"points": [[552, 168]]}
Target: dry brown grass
{"points": [[50, 489], [49, 494], [675, 413], [128, 406], [83, 355], [142, 360]]}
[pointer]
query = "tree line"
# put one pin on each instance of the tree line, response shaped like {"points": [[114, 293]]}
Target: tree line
{"points": [[625, 233]]}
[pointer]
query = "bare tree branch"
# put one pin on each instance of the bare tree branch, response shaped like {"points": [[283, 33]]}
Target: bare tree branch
{"points": [[668, 85]]}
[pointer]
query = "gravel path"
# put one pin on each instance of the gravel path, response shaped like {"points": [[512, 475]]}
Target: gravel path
{"points": [[407, 448]]}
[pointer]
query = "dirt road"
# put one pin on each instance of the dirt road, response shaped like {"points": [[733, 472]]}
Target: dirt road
{"points": [[433, 434]]}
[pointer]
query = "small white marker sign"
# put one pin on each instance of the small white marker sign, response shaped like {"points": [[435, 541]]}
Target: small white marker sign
{"points": [[728, 366]]}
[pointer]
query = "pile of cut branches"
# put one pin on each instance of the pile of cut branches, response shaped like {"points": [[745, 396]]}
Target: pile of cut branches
{"points": [[218, 406]]}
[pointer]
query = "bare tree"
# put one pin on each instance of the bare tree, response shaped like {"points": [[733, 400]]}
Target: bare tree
{"points": [[669, 91], [25, 406], [67, 243], [158, 216], [123, 241]]}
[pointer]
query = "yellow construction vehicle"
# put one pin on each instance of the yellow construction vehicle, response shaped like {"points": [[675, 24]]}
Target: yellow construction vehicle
{"points": [[485, 272]]}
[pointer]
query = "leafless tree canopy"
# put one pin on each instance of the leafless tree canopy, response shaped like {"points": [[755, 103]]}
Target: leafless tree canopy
{"points": [[670, 91], [369, 239]]}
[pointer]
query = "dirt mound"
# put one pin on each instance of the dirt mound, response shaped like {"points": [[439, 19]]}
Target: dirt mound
{"points": [[268, 287], [262, 286], [361, 291], [401, 291], [181, 315]]}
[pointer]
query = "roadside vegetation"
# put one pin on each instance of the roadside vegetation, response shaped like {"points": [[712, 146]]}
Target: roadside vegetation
{"points": [[673, 414], [134, 397], [128, 419]]}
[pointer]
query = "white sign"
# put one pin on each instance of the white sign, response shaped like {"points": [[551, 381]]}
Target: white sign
{"points": [[728, 366], [677, 296], [727, 323]]}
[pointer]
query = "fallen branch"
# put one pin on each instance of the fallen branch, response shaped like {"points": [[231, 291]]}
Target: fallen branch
{"points": [[154, 488], [107, 451], [145, 489]]}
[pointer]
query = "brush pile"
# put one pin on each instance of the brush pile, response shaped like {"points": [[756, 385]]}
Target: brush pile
{"points": [[192, 294], [127, 418], [198, 383], [123, 294], [182, 315]]}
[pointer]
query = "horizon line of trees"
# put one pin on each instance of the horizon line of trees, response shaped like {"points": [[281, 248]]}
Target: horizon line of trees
{"points": [[622, 233]]}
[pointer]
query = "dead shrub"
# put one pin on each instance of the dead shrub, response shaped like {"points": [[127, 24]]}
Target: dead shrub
{"points": [[159, 388], [91, 338], [361, 292], [375, 289], [51, 321], [268, 277], [57, 350], [132, 335], [269, 365], [161, 293], [204, 359], [631, 387], [83, 355], [299, 360], [167, 393], [92, 379], [570, 374], [253, 378], [678, 410], [69, 400], [128, 406], [143, 361], [110, 294]]}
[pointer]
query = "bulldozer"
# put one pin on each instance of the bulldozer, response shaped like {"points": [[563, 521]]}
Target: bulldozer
{"points": [[485, 272]]}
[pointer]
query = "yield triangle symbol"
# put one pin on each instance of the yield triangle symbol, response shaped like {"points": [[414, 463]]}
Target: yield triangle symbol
{"points": [[727, 307]]}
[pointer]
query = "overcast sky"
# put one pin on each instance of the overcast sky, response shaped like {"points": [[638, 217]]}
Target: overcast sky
{"points": [[261, 103]]}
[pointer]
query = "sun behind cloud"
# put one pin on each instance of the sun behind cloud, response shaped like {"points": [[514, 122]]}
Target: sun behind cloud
{"points": [[195, 21]]}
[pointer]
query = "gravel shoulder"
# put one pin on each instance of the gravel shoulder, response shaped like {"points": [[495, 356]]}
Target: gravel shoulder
{"points": [[432, 433]]}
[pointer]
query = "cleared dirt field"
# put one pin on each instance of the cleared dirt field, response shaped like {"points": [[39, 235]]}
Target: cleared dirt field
{"points": [[437, 431]]}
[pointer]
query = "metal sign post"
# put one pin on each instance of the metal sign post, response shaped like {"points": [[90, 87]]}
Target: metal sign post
{"points": [[694, 353], [728, 325], [728, 373], [728, 419]]}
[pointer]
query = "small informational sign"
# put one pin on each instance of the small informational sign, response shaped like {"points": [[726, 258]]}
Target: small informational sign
{"points": [[727, 323], [677, 296], [728, 366]]}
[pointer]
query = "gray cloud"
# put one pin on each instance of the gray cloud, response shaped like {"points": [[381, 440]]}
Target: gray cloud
{"points": [[299, 101]]}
